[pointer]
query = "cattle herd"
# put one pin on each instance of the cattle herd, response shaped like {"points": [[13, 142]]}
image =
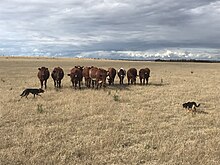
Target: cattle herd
{"points": [[93, 76]]}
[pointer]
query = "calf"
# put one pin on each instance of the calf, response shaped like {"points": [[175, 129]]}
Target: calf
{"points": [[131, 75], [144, 74], [111, 75], [57, 76], [121, 75], [43, 75], [76, 77]]}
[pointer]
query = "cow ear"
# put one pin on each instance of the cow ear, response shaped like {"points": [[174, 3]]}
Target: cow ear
{"points": [[76, 67], [39, 68]]}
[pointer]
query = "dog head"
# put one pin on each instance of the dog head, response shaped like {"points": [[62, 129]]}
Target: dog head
{"points": [[184, 105], [41, 90]]}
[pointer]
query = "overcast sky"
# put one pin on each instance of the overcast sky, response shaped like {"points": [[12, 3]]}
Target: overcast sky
{"points": [[108, 24]]}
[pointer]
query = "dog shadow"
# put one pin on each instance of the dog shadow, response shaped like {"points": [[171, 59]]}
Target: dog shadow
{"points": [[201, 112]]}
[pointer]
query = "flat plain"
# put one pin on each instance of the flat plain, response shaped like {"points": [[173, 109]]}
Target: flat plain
{"points": [[117, 125]]}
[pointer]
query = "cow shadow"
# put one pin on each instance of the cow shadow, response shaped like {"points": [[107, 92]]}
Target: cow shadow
{"points": [[157, 84], [118, 87]]}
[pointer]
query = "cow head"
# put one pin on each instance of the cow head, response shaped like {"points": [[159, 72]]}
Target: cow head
{"points": [[79, 67], [43, 68], [41, 90]]}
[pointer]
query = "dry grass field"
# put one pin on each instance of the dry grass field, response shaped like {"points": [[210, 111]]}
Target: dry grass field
{"points": [[116, 125]]}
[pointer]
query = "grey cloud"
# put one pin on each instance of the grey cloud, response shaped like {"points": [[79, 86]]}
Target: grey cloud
{"points": [[99, 25]]}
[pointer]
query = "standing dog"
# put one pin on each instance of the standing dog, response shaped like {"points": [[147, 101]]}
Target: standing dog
{"points": [[191, 106]]}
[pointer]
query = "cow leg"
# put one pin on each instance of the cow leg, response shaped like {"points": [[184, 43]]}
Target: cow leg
{"points": [[45, 84], [54, 83], [72, 83], [86, 82], [104, 84], [92, 83], [41, 83], [59, 82], [97, 85], [128, 81], [79, 84], [75, 84], [144, 81], [89, 82], [141, 81]]}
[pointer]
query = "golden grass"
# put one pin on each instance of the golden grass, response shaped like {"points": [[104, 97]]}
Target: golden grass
{"points": [[118, 125]]}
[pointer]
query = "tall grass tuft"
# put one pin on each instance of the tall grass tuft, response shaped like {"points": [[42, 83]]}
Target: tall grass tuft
{"points": [[116, 97], [40, 108]]}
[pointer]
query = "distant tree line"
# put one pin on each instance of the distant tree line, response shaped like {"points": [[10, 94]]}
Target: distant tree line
{"points": [[186, 60]]}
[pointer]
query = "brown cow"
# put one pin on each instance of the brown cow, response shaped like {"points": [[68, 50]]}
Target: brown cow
{"points": [[131, 75], [43, 74], [85, 73], [144, 74], [121, 74], [111, 75], [92, 75], [57, 76], [98, 77], [76, 76]]}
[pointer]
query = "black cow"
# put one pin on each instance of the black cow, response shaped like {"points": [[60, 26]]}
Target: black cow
{"points": [[57, 76], [121, 75]]}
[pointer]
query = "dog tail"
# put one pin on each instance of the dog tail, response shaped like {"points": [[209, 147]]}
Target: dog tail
{"points": [[22, 94], [198, 105]]}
